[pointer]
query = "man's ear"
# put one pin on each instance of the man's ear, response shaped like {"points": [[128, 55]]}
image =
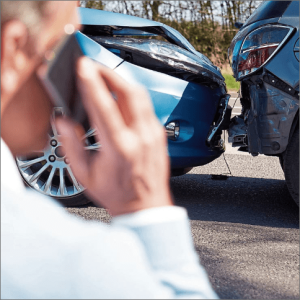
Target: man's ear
{"points": [[14, 36]]}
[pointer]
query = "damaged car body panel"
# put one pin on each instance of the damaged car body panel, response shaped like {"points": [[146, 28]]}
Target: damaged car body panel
{"points": [[98, 53], [186, 89], [103, 23], [269, 87], [270, 117], [157, 55], [264, 56], [117, 21]]}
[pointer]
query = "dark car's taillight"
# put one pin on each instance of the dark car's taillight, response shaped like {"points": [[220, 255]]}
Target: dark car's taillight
{"points": [[259, 46], [256, 58]]}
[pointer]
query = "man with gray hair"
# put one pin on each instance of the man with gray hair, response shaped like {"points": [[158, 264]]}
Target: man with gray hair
{"points": [[147, 251]]}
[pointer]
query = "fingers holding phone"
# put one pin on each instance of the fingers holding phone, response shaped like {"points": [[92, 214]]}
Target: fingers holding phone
{"points": [[131, 172]]}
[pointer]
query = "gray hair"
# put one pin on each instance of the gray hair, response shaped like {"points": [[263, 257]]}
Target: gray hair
{"points": [[28, 12]]}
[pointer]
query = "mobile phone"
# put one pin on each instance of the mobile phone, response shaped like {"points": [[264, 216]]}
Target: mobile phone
{"points": [[59, 79]]}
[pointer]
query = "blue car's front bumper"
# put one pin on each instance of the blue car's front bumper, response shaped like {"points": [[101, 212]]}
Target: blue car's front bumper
{"points": [[192, 105]]}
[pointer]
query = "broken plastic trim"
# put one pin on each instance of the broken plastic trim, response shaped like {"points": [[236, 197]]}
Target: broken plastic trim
{"points": [[237, 132], [269, 110], [279, 84], [168, 33], [215, 128], [239, 140], [169, 54]]}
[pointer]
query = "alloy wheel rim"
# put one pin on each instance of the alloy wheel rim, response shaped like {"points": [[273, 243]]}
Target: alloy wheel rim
{"points": [[49, 171]]}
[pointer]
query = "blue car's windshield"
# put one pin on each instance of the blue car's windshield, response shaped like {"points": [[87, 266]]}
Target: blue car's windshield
{"points": [[268, 10]]}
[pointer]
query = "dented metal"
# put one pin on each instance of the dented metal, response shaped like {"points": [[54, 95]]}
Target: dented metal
{"points": [[113, 25], [269, 93], [171, 55], [270, 119], [265, 126]]}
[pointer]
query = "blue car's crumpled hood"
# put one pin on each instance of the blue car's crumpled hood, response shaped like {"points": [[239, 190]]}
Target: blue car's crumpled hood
{"points": [[105, 18]]}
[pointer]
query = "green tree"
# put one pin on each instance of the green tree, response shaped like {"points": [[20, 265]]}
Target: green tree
{"points": [[93, 4], [208, 25]]}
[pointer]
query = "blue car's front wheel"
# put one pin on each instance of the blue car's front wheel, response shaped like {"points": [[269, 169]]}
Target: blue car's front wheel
{"points": [[49, 171]]}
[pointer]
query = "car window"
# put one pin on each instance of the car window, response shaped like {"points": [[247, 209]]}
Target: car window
{"points": [[268, 10]]}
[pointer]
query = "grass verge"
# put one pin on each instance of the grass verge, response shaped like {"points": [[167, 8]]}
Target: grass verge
{"points": [[231, 84]]}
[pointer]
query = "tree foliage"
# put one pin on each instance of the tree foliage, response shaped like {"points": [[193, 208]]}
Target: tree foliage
{"points": [[208, 25]]}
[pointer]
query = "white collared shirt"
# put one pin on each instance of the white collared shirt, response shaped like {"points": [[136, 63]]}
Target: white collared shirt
{"points": [[48, 253]]}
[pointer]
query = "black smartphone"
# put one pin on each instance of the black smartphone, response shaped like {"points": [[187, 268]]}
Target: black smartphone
{"points": [[59, 79]]}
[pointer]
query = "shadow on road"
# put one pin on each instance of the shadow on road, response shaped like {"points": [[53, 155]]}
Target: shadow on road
{"points": [[244, 200]]}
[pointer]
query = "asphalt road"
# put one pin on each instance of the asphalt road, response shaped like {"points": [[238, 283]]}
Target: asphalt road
{"points": [[245, 228]]}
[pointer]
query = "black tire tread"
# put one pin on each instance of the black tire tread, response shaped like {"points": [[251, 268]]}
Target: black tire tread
{"points": [[180, 172], [78, 200], [291, 166]]}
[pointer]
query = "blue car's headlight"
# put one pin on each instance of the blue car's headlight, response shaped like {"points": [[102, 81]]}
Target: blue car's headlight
{"points": [[259, 46], [158, 49]]}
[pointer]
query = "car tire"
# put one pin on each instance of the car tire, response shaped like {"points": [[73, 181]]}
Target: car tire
{"points": [[74, 201], [291, 166], [281, 160], [180, 171], [49, 171]]}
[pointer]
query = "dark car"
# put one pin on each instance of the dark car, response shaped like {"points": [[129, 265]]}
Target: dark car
{"points": [[264, 57]]}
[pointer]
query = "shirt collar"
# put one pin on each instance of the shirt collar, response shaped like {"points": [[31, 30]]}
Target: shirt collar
{"points": [[10, 175]]}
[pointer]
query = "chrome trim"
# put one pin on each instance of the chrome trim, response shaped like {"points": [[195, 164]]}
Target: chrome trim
{"points": [[172, 130], [216, 127], [276, 50], [261, 47]]}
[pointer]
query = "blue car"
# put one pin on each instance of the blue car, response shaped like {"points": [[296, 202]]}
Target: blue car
{"points": [[188, 93], [264, 57]]}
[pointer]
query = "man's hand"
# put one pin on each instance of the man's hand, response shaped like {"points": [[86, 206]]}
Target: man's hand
{"points": [[131, 171]]}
